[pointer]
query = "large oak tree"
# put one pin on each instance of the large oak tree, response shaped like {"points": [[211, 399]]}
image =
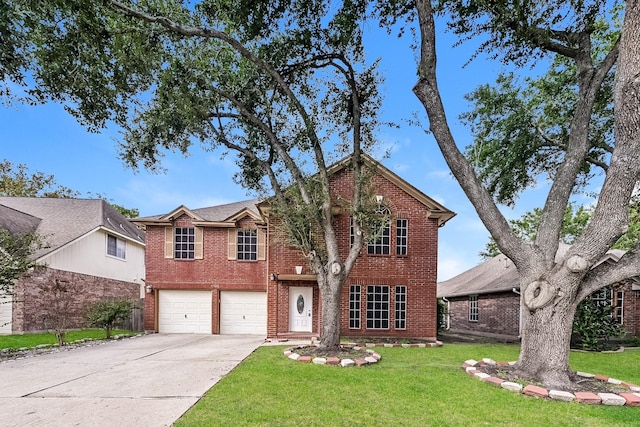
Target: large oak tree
{"points": [[551, 289]]}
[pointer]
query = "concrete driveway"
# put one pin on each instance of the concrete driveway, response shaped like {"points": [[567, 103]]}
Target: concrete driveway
{"points": [[144, 381]]}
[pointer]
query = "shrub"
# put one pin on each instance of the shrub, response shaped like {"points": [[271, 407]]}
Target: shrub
{"points": [[106, 314]]}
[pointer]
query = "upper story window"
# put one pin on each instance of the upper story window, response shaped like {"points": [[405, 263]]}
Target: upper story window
{"points": [[247, 246], [381, 232], [184, 243], [402, 234], [116, 247]]}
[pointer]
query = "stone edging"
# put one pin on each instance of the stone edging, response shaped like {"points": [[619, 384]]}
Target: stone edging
{"points": [[611, 399], [371, 359], [336, 361], [389, 345], [23, 352]]}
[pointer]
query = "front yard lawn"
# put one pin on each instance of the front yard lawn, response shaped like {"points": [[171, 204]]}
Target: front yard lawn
{"points": [[32, 340], [409, 387]]}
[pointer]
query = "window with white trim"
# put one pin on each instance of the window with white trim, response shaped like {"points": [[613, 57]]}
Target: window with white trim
{"points": [[247, 244], [473, 308], [402, 234], [184, 243], [354, 306], [381, 233], [619, 307], [401, 307], [377, 307], [116, 247], [609, 297]]}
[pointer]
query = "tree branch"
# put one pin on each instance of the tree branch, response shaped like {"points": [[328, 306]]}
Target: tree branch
{"points": [[426, 89]]}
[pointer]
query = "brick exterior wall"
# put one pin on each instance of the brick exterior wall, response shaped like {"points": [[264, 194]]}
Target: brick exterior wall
{"points": [[30, 304], [417, 271], [631, 310], [214, 272], [498, 313]]}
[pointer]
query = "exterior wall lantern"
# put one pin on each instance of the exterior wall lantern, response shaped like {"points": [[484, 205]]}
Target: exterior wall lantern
{"points": [[148, 289]]}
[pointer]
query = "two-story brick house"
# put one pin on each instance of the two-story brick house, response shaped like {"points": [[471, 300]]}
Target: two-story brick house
{"points": [[223, 270]]}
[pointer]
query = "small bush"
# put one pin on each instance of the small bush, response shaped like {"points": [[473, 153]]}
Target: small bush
{"points": [[106, 314]]}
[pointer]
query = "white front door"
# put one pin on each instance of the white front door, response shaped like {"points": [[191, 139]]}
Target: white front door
{"points": [[300, 309]]}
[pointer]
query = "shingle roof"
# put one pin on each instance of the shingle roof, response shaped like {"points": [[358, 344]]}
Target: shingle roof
{"points": [[17, 222], [498, 274], [218, 213], [64, 220]]}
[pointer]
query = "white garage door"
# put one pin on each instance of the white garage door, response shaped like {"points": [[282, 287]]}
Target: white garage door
{"points": [[243, 312], [184, 312], [5, 314]]}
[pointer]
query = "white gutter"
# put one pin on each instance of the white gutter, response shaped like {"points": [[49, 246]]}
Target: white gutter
{"points": [[517, 292]]}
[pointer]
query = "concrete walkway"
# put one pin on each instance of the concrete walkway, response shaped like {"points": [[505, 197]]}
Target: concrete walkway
{"points": [[144, 381]]}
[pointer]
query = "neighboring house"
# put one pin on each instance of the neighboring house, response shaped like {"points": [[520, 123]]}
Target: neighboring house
{"points": [[88, 246], [486, 298], [226, 269]]}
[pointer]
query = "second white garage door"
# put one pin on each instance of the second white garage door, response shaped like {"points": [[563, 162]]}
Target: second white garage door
{"points": [[181, 312], [243, 312]]}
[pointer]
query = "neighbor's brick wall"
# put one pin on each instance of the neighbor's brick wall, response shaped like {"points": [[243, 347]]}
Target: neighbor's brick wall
{"points": [[631, 310], [214, 272], [498, 313], [30, 302], [417, 270]]}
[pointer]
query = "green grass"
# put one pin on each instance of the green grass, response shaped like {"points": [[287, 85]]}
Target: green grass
{"points": [[409, 387], [32, 340]]}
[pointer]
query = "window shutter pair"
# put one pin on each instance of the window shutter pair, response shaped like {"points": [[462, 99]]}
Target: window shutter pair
{"points": [[198, 242], [232, 244]]}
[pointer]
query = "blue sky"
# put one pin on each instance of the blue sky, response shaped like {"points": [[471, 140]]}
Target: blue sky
{"points": [[49, 140]]}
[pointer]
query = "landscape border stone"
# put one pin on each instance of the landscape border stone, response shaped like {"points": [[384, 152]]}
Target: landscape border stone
{"points": [[631, 398], [369, 360]]}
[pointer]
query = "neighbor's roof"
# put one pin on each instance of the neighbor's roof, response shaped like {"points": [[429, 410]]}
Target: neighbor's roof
{"points": [[61, 221], [499, 274], [17, 222]]}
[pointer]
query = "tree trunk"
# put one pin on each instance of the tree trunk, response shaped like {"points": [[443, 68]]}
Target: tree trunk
{"points": [[330, 286], [544, 350]]}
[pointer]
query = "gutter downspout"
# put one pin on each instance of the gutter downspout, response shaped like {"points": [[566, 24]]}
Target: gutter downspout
{"points": [[448, 317], [517, 292]]}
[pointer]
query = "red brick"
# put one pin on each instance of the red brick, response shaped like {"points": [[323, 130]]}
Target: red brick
{"points": [[493, 380], [534, 390], [360, 362], [602, 378], [588, 398], [632, 399], [333, 360]]}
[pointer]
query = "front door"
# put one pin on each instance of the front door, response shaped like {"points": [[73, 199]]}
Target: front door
{"points": [[300, 309]]}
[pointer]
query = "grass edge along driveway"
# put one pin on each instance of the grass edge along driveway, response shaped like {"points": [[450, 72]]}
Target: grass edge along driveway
{"points": [[409, 387]]}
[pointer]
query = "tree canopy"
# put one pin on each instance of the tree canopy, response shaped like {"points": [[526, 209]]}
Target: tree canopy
{"points": [[283, 87]]}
